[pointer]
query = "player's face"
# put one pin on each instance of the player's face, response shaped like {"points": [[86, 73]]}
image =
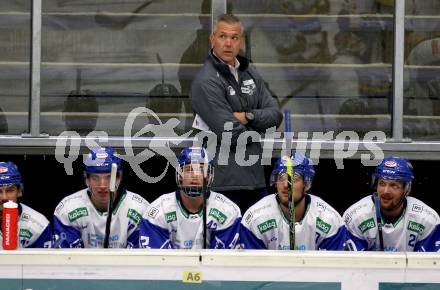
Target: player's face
{"points": [[283, 185], [99, 185], [9, 192], [226, 41], [193, 175], [391, 193]]}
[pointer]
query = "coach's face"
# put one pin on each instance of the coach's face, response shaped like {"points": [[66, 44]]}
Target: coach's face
{"points": [[226, 41]]}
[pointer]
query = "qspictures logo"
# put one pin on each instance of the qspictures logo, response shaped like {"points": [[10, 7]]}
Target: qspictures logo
{"points": [[345, 145]]}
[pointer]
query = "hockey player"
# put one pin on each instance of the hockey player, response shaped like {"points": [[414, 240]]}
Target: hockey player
{"points": [[389, 220], [34, 230], [80, 218], [176, 220], [318, 226]]}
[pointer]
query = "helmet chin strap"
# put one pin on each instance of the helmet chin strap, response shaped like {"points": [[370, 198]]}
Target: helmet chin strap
{"points": [[191, 192]]}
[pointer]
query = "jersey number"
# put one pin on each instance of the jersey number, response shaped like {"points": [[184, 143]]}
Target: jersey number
{"points": [[412, 240], [144, 241]]}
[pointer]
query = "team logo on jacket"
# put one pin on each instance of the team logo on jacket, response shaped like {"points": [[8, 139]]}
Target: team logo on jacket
{"points": [[170, 217], [77, 213], [416, 227], [322, 226], [366, 225], [231, 91], [218, 215], [248, 87], [267, 226]]}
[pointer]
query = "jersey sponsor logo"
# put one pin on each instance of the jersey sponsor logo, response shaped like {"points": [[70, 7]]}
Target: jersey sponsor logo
{"points": [[187, 244], [416, 227], [193, 216], [25, 217], [353, 212], [320, 205], [59, 207], [170, 217], [77, 213], [248, 218], [390, 249], [366, 225], [137, 198], [257, 210], [283, 247], [429, 212], [267, 226], [417, 208], [152, 213], [25, 233], [134, 215], [322, 226], [220, 198], [218, 215]]}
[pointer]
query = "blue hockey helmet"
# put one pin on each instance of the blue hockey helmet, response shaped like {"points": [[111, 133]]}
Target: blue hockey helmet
{"points": [[394, 168], [301, 166], [9, 174], [100, 161], [198, 158]]}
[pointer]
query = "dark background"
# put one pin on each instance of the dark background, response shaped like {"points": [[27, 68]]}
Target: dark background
{"points": [[46, 182]]}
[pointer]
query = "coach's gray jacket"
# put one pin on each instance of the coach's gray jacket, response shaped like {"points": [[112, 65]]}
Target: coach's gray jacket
{"points": [[215, 96]]}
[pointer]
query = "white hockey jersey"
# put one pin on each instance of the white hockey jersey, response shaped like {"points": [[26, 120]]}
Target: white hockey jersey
{"points": [[168, 225], [34, 230], [264, 226], [78, 224], [416, 230]]}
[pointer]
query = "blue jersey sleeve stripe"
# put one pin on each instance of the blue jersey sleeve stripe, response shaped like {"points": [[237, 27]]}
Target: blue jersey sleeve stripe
{"points": [[44, 240], [431, 243], [354, 243], [226, 238], [68, 237], [249, 241], [153, 237], [335, 242]]}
